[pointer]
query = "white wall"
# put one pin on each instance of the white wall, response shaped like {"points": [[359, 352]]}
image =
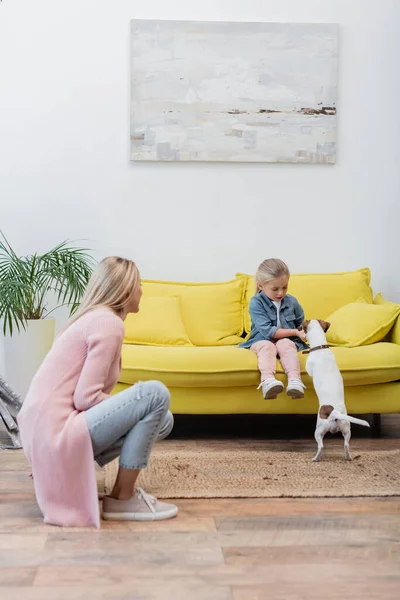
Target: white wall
{"points": [[64, 149]]}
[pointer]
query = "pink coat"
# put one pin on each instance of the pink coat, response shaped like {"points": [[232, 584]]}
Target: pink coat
{"points": [[80, 371]]}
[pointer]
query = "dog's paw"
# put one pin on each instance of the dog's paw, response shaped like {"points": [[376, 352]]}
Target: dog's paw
{"points": [[347, 455]]}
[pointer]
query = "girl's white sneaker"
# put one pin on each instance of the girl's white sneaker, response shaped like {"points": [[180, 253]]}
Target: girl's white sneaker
{"points": [[295, 388], [271, 388]]}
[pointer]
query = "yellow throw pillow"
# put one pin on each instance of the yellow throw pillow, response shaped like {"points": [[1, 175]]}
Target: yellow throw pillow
{"points": [[158, 323], [381, 301], [360, 324], [320, 294], [212, 313], [249, 292], [394, 333]]}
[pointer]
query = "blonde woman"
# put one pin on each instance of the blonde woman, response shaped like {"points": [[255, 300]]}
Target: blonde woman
{"points": [[276, 317], [68, 417]]}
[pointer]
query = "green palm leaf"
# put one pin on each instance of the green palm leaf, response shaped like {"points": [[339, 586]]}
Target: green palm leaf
{"points": [[27, 281]]}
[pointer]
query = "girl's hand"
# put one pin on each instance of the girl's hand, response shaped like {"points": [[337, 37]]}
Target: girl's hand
{"points": [[302, 335]]}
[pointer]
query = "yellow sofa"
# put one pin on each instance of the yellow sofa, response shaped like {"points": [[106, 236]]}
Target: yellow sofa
{"points": [[186, 336]]}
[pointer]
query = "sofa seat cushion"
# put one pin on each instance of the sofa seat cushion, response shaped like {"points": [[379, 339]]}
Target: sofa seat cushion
{"points": [[232, 366]]}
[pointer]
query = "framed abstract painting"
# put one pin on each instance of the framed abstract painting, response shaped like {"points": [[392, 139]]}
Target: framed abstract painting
{"points": [[235, 92]]}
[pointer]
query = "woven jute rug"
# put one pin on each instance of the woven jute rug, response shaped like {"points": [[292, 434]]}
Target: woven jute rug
{"points": [[267, 469]]}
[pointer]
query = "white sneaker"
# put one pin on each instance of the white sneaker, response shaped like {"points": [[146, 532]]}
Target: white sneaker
{"points": [[141, 507], [271, 388], [295, 388]]}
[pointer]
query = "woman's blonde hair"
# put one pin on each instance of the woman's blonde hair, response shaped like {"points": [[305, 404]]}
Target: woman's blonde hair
{"points": [[269, 269], [111, 285]]}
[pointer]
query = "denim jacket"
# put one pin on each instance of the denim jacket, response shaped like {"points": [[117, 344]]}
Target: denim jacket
{"points": [[264, 319]]}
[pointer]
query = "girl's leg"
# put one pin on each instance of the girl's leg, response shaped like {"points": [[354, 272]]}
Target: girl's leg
{"points": [[289, 358], [266, 355], [137, 415], [287, 352]]}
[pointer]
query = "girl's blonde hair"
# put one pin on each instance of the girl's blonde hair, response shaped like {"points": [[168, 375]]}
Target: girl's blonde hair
{"points": [[269, 269], [111, 285]]}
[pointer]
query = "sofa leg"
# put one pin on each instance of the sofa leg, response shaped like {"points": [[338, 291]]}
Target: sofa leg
{"points": [[376, 424]]}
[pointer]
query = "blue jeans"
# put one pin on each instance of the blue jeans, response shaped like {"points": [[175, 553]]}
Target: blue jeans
{"points": [[129, 423]]}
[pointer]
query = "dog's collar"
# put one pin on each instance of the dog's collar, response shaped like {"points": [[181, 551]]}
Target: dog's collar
{"points": [[323, 347]]}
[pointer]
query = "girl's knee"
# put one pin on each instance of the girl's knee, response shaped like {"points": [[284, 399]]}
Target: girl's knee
{"points": [[286, 343], [263, 346]]}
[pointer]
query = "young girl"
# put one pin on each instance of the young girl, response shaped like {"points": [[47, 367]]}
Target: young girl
{"points": [[68, 416], [276, 317]]}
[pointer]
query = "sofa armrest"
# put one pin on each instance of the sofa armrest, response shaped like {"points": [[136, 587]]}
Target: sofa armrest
{"points": [[395, 332]]}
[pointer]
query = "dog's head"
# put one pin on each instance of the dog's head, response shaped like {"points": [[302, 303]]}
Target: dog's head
{"points": [[306, 325], [333, 420]]}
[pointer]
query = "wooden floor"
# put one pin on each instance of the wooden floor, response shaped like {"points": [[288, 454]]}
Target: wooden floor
{"points": [[286, 549]]}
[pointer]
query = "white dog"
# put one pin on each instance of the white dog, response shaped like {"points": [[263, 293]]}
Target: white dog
{"points": [[328, 384]]}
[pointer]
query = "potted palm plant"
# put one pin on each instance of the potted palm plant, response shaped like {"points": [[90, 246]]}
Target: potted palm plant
{"points": [[28, 285]]}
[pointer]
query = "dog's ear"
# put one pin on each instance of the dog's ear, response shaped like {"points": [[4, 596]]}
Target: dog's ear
{"points": [[325, 411], [324, 324], [304, 326]]}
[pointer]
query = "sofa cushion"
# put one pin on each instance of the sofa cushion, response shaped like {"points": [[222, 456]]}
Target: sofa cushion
{"points": [[394, 333], [159, 323], [360, 399], [359, 323], [232, 366], [212, 312], [319, 294]]}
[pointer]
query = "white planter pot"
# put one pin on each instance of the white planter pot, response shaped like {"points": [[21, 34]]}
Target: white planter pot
{"points": [[23, 353]]}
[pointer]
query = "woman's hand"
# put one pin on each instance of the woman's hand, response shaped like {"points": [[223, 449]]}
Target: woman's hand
{"points": [[302, 335]]}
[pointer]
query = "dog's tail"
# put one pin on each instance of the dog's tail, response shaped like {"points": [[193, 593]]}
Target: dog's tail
{"points": [[342, 417]]}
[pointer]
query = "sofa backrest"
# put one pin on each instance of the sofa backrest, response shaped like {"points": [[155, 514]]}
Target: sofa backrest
{"points": [[319, 294], [216, 314]]}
